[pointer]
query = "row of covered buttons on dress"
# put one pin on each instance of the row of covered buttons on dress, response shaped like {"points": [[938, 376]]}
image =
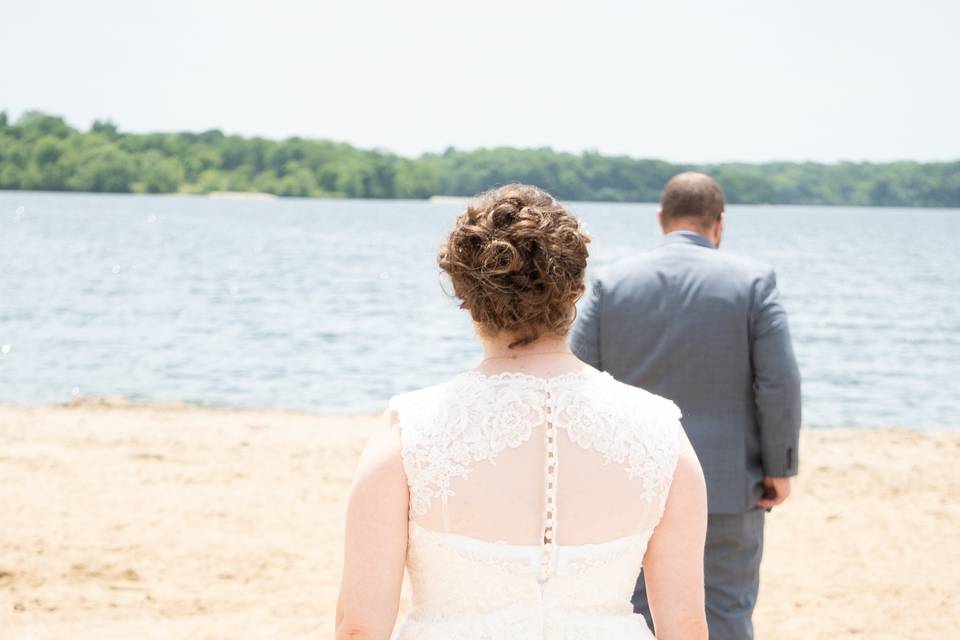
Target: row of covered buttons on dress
{"points": [[550, 497]]}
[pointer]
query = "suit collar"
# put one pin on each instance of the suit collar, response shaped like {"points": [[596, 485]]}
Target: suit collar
{"points": [[685, 237]]}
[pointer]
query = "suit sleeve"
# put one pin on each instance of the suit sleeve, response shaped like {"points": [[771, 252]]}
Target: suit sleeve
{"points": [[585, 335], [776, 381]]}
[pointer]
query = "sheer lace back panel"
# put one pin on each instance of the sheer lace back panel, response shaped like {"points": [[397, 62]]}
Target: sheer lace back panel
{"points": [[529, 495]]}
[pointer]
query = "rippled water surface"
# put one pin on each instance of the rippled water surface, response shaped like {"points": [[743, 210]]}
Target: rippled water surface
{"points": [[335, 305]]}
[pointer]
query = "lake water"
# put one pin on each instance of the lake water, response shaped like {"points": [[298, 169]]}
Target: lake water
{"points": [[333, 306]]}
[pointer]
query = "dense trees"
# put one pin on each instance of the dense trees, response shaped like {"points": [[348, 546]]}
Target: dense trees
{"points": [[42, 152]]}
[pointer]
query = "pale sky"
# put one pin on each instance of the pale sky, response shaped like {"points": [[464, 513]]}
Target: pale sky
{"points": [[686, 81]]}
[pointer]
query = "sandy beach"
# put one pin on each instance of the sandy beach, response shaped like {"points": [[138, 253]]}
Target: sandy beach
{"points": [[173, 522]]}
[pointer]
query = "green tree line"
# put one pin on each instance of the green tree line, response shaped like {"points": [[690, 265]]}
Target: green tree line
{"points": [[42, 152]]}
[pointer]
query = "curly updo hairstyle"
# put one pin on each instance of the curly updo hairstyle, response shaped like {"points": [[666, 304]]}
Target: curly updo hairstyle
{"points": [[517, 261]]}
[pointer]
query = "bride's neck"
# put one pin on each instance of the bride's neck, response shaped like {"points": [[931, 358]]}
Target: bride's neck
{"points": [[498, 347]]}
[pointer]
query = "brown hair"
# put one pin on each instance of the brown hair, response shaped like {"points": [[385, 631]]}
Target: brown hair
{"points": [[517, 261], [692, 195]]}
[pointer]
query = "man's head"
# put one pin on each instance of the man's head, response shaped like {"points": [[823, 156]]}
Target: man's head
{"points": [[695, 202]]}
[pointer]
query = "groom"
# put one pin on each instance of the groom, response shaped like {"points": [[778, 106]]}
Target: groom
{"points": [[706, 329]]}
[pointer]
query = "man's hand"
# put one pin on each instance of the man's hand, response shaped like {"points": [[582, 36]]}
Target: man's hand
{"points": [[775, 491]]}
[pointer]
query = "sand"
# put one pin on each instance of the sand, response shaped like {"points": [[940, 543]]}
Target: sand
{"points": [[176, 522]]}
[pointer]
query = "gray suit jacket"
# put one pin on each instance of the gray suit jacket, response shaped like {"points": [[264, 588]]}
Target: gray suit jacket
{"points": [[704, 328]]}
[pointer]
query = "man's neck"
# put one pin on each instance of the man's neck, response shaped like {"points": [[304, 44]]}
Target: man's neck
{"points": [[702, 232], [706, 233]]}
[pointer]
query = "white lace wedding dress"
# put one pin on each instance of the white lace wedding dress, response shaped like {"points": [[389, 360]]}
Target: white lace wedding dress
{"points": [[531, 504]]}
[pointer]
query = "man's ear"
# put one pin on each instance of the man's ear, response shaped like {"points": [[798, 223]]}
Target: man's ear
{"points": [[663, 225]]}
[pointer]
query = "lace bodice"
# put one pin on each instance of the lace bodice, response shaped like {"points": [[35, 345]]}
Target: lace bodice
{"points": [[532, 501]]}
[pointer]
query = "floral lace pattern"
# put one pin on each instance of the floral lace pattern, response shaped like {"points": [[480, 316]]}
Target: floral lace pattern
{"points": [[442, 440], [446, 429], [466, 588]]}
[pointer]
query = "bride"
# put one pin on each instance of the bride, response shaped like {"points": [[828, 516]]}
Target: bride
{"points": [[523, 496]]}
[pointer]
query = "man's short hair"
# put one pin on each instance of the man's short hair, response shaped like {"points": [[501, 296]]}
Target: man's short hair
{"points": [[692, 195]]}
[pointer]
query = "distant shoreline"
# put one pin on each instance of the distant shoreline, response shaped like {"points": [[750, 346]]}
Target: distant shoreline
{"points": [[241, 195], [445, 200], [43, 152]]}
